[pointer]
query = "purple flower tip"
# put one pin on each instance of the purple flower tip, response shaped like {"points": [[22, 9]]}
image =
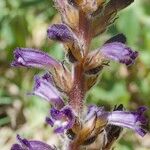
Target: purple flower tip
{"points": [[118, 51], [29, 57], [140, 117], [16, 147], [61, 120], [25, 144], [60, 32], [142, 109], [45, 89], [132, 120]]}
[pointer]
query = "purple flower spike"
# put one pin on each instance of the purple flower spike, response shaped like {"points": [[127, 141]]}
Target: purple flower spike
{"points": [[25, 144], [60, 32], [118, 51], [61, 119], [29, 57], [44, 88], [132, 120]]}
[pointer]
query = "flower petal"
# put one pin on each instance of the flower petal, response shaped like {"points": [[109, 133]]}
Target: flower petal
{"points": [[112, 131], [60, 32], [119, 52], [44, 88], [132, 120], [16, 147], [61, 119], [29, 57], [92, 109], [31, 145]]}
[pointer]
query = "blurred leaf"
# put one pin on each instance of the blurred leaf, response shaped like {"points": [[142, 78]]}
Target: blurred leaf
{"points": [[118, 94], [145, 57], [5, 100], [128, 23], [4, 121], [31, 3], [57, 51]]}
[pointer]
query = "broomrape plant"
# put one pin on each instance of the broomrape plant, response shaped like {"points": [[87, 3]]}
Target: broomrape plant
{"points": [[80, 125]]}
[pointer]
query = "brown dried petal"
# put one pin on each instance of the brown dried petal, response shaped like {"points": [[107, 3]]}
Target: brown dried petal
{"points": [[87, 129], [90, 81], [98, 129], [119, 4], [69, 13], [62, 78], [104, 19], [94, 62], [99, 2], [71, 57], [77, 2], [100, 23], [75, 50], [89, 140], [87, 6]]}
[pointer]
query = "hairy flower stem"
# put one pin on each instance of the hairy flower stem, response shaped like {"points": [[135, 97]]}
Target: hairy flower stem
{"points": [[85, 30], [77, 93], [73, 146]]}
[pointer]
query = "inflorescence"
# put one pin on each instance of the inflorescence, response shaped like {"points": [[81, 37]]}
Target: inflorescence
{"points": [[80, 125]]}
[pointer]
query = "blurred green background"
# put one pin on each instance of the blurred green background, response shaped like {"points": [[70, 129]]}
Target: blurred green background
{"points": [[23, 23]]}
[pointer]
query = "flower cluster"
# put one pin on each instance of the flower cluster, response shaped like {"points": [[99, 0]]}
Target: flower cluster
{"points": [[82, 20]]}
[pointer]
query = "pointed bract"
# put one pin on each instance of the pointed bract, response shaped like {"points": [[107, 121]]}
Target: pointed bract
{"points": [[132, 120], [106, 15], [69, 14], [118, 52]]}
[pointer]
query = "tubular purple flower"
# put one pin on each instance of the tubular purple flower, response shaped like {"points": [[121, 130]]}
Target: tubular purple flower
{"points": [[60, 32], [132, 120], [29, 57], [113, 132], [118, 51], [45, 89], [62, 119], [25, 144]]}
